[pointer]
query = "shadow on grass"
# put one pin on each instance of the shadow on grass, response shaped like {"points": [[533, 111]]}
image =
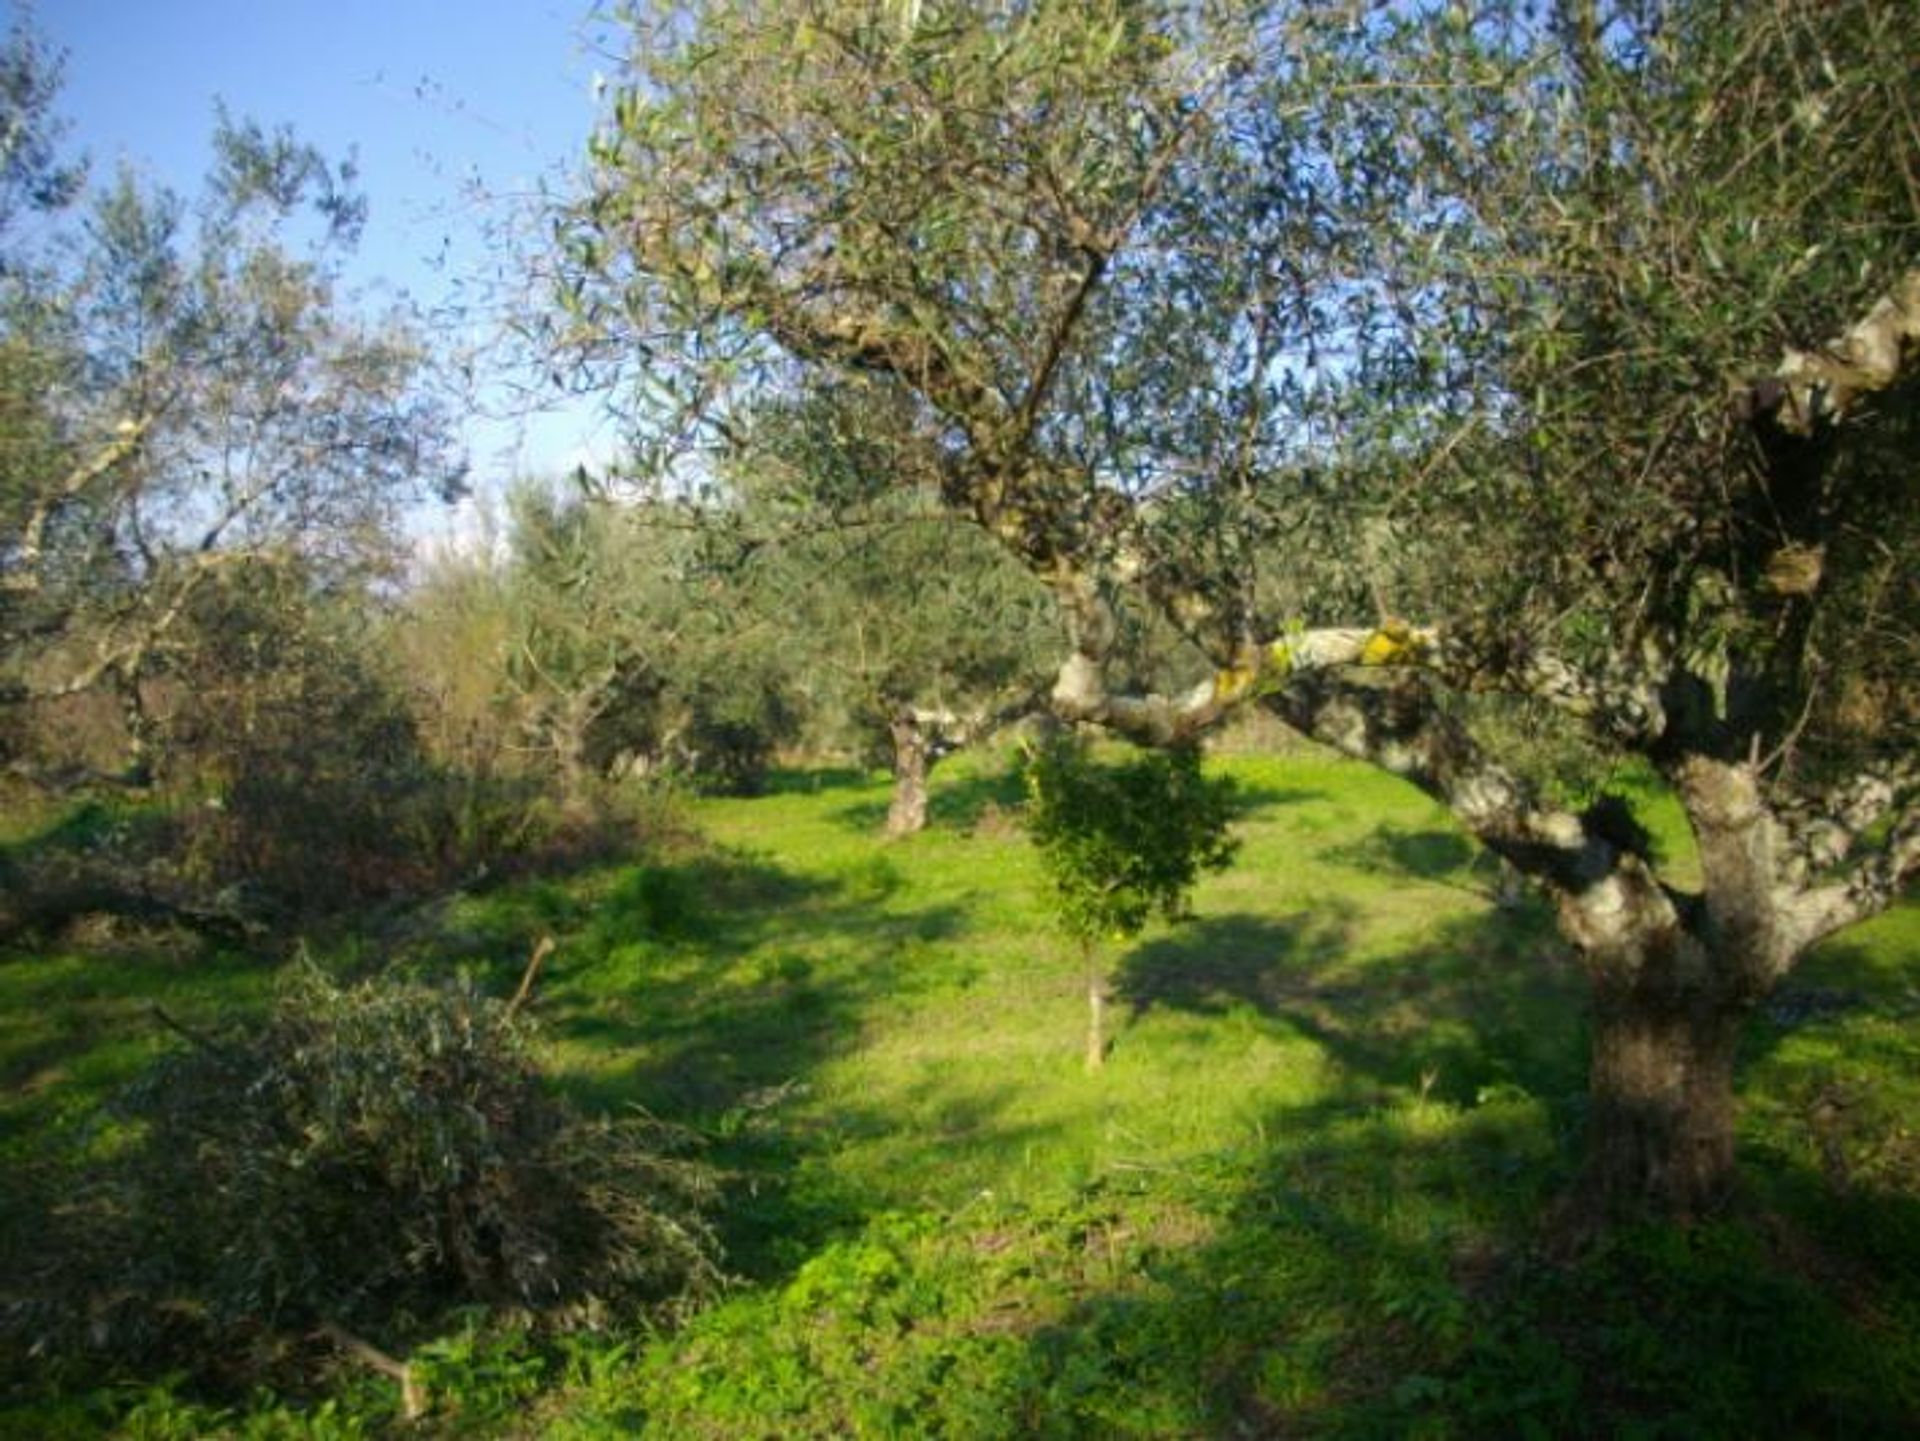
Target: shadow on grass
{"points": [[964, 802], [77, 1027], [1376, 1268], [709, 990], [1486, 1002], [996, 797], [1437, 855], [813, 782], [1369, 1281], [1250, 799]]}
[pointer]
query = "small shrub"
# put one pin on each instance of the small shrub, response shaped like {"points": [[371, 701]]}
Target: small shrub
{"points": [[1118, 843], [365, 1158]]}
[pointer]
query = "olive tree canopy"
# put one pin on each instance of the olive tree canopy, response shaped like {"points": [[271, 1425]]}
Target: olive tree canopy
{"points": [[184, 389]]}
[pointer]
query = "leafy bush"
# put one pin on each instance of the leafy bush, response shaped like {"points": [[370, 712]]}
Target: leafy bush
{"points": [[364, 1158], [1120, 842]]}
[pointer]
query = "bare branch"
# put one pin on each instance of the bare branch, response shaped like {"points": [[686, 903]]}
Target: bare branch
{"points": [[413, 1395], [530, 977]]}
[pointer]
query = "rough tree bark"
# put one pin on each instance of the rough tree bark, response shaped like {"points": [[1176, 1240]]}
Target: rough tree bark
{"points": [[921, 737], [1665, 1015], [1661, 1090], [907, 815]]}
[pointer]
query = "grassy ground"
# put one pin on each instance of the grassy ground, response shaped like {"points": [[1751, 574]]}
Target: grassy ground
{"points": [[1302, 1198]]}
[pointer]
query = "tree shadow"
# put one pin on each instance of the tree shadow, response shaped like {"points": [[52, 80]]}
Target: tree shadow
{"points": [[1375, 1263], [1838, 984], [785, 781], [707, 991], [1367, 1280], [1250, 798], [865, 816], [1437, 855], [1487, 1001], [993, 799], [965, 802]]}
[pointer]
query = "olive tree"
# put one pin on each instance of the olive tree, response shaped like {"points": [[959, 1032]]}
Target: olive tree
{"points": [[899, 621], [610, 639], [1396, 354], [188, 391]]}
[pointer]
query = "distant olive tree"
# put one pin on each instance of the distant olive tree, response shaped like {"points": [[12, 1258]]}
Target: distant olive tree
{"points": [[187, 392], [901, 623]]}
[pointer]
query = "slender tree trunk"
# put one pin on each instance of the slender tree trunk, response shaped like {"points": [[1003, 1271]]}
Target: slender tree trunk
{"points": [[1096, 1008], [911, 762], [1662, 1120], [569, 739]]}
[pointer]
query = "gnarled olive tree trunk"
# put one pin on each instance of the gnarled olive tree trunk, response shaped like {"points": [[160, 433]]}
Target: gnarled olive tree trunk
{"points": [[1662, 1098], [1665, 1017], [921, 737], [912, 761], [1674, 978]]}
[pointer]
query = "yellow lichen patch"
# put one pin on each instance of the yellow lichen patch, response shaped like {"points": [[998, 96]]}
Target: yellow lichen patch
{"points": [[1280, 658], [1392, 644], [1232, 685]]}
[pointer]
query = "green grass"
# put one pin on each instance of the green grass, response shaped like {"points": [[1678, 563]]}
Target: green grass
{"points": [[1303, 1197]]}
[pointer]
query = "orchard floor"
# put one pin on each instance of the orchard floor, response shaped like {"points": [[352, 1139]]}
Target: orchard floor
{"points": [[1305, 1196]]}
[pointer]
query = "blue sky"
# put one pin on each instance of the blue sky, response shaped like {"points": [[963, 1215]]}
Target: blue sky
{"points": [[454, 110]]}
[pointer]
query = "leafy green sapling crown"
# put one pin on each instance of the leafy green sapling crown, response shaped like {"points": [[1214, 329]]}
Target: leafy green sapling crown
{"points": [[1121, 841]]}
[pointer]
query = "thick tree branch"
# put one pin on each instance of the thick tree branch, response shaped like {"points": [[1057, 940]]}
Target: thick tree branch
{"points": [[951, 730], [1367, 694], [30, 549], [1058, 337], [116, 651], [1871, 885], [1822, 829], [846, 337], [1626, 706], [1811, 388], [1611, 903]]}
